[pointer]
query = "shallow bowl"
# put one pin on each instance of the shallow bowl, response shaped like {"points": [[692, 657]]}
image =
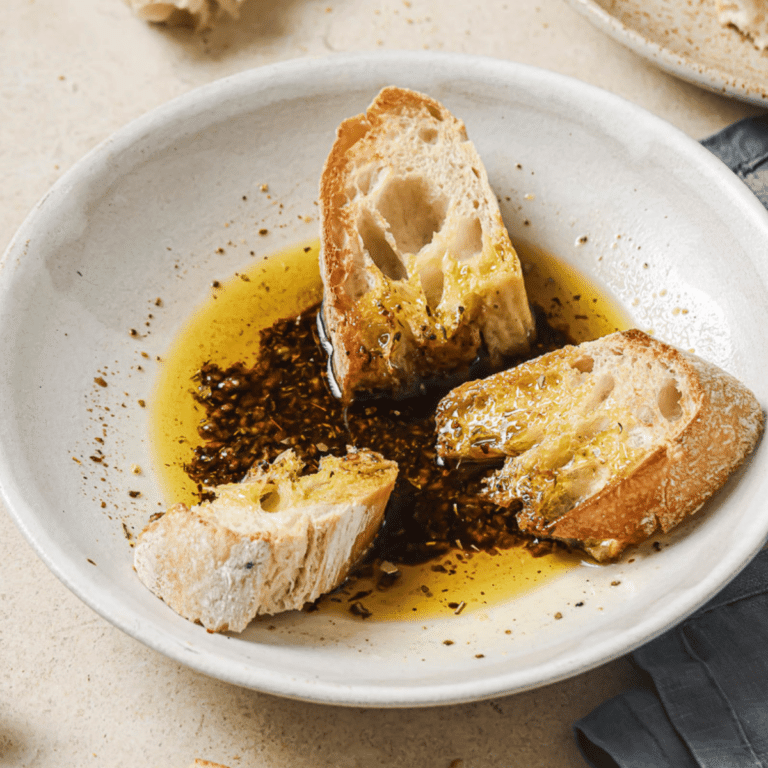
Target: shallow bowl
{"points": [[175, 199]]}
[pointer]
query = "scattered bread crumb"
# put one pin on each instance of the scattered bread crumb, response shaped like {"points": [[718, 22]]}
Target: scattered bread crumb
{"points": [[200, 14], [747, 16]]}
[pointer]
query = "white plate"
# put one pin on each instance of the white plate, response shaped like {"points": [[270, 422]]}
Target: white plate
{"points": [[146, 214], [686, 40]]}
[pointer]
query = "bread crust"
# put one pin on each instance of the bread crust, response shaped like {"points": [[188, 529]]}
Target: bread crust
{"points": [[369, 261], [721, 424], [270, 544]]}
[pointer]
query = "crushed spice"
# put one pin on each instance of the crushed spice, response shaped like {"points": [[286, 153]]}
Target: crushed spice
{"points": [[252, 414]]}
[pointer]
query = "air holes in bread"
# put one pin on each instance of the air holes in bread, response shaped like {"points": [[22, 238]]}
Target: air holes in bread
{"points": [[428, 135], [669, 400], [435, 112], [362, 181], [432, 282], [604, 387], [270, 501], [469, 239], [412, 213], [584, 364], [380, 251]]}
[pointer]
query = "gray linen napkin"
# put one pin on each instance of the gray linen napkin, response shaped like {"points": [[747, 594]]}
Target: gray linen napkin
{"points": [[743, 147], [706, 702]]}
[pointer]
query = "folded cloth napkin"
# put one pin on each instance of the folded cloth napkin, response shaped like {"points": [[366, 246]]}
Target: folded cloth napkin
{"points": [[707, 706], [706, 703]]}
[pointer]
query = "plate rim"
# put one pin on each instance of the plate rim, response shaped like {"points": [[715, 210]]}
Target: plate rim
{"points": [[711, 79]]}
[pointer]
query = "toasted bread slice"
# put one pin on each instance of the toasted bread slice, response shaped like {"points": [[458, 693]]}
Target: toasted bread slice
{"points": [[606, 442], [269, 544], [417, 266], [750, 17]]}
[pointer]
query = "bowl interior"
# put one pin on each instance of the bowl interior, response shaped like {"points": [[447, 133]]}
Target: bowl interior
{"points": [[175, 200]]}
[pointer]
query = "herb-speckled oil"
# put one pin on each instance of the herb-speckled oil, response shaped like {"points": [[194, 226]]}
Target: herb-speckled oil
{"points": [[225, 329]]}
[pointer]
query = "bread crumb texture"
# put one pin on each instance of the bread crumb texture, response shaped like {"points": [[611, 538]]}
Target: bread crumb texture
{"points": [[750, 17], [272, 543], [200, 14], [603, 443], [417, 265]]}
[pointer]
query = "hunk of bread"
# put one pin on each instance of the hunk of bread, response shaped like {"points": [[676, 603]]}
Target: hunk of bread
{"points": [[417, 266], [750, 17], [269, 544], [603, 443], [201, 14]]}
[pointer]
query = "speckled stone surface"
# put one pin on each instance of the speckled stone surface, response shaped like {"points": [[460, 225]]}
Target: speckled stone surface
{"points": [[74, 691]]}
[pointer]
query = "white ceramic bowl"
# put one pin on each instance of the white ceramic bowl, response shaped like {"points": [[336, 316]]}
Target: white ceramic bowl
{"points": [[143, 215]]}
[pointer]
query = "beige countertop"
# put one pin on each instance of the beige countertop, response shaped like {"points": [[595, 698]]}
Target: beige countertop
{"points": [[74, 691]]}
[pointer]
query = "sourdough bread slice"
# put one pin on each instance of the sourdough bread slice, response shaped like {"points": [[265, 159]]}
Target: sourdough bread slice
{"points": [[603, 443], [269, 544], [417, 265]]}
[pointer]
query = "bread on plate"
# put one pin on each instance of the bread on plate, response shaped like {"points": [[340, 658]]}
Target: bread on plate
{"points": [[605, 443], [272, 543], [418, 269]]}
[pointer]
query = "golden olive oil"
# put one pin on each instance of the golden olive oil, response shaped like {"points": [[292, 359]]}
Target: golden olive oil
{"points": [[451, 584], [569, 299], [225, 329]]}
